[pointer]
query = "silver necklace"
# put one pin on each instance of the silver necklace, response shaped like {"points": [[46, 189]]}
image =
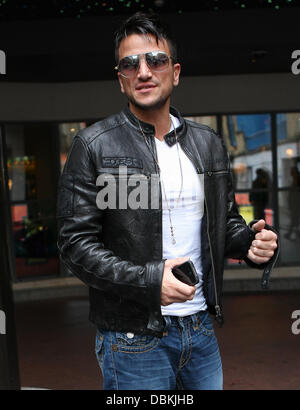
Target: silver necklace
{"points": [[161, 180]]}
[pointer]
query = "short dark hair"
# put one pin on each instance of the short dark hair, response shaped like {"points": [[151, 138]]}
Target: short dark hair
{"points": [[142, 23]]}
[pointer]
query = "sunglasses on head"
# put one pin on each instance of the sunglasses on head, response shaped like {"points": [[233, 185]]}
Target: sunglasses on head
{"points": [[156, 61]]}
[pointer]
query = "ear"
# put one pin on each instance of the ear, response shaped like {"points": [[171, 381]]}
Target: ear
{"points": [[121, 83], [176, 74]]}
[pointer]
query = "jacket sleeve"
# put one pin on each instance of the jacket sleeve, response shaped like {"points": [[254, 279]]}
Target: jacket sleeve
{"points": [[239, 237], [79, 237]]}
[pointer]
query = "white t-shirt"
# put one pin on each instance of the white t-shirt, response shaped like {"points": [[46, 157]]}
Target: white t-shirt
{"points": [[186, 215]]}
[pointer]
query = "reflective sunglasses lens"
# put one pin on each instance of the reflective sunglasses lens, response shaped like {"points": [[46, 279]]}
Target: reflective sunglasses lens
{"points": [[157, 61], [129, 65]]}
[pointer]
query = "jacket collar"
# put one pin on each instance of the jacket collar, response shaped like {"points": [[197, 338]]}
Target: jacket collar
{"points": [[149, 129]]}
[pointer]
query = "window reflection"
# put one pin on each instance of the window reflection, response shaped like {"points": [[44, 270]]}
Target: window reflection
{"points": [[67, 132], [288, 151], [288, 154], [248, 141], [36, 154], [31, 164], [209, 120]]}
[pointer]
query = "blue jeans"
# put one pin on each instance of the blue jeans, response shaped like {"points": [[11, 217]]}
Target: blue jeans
{"points": [[186, 358]]}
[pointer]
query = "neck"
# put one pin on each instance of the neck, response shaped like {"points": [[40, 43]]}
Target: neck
{"points": [[159, 118]]}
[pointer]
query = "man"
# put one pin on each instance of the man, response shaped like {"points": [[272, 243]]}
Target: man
{"points": [[153, 331], [259, 196]]}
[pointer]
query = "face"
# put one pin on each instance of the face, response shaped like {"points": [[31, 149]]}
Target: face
{"points": [[147, 90]]}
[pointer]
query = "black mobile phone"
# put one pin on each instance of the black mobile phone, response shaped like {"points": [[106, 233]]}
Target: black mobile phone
{"points": [[186, 273]]}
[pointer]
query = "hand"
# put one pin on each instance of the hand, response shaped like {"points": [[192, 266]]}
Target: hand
{"points": [[263, 246], [172, 289]]}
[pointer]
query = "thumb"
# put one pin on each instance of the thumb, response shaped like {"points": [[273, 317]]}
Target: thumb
{"points": [[259, 226], [177, 261]]}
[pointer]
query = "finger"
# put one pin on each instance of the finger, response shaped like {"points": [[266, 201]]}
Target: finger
{"points": [[265, 253], [257, 259], [174, 295], [182, 289], [171, 263], [179, 261], [267, 245], [264, 245], [259, 226], [266, 235]]}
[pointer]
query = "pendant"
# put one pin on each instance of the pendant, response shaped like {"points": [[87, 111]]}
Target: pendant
{"points": [[172, 234]]}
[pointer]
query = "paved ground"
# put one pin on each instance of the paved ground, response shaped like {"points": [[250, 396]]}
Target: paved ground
{"points": [[258, 348]]}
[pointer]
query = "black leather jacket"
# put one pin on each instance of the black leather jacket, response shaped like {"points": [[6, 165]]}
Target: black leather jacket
{"points": [[118, 252]]}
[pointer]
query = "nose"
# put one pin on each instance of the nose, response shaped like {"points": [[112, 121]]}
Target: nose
{"points": [[144, 71]]}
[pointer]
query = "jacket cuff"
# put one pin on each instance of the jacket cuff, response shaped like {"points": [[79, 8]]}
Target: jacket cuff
{"points": [[267, 266], [154, 281]]}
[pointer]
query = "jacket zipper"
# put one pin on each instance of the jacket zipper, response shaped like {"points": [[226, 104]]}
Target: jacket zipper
{"points": [[218, 315], [210, 173], [153, 145]]}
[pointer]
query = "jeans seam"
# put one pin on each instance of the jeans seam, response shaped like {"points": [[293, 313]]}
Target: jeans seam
{"points": [[113, 362], [136, 352], [178, 381], [99, 354], [205, 331], [182, 350], [137, 348], [189, 337]]}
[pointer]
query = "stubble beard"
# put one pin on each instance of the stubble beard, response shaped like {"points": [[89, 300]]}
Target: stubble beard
{"points": [[156, 105]]}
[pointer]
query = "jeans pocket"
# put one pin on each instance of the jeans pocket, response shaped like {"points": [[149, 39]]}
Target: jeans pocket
{"points": [[132, 343]]}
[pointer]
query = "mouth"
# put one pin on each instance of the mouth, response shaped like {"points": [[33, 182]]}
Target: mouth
{"points": [[145, 88]]}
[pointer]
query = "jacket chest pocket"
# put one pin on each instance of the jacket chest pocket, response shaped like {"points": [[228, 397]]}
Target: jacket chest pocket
{"points": [[223, 172]]}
